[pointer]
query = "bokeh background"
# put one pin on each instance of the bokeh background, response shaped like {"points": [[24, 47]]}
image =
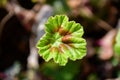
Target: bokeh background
{"points": [[22, 24]]}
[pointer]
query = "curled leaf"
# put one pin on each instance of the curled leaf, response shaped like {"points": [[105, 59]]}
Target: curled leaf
{"points": [[62, 40]]}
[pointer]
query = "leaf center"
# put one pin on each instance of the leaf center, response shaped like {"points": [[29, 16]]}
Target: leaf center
{"points": [[56, 39]]}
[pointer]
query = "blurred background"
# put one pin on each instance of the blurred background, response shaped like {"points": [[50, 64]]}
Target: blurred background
{"points": [[22, 24]]}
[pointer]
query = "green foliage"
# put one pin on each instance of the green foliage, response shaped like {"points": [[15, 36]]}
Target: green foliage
{"points": [[56, 72], [92, 76], [62, 40], [115, 61], [34, 1], [3, 3], [60, 7], [117, 44], [98, 4]]}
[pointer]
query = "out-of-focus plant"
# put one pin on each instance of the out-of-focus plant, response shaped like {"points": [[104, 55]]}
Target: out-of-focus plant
{"points": [[106, 45], [116, 48], [98, 4], [62, 40], [3, 3], [56, 72], [58, 7], [41, 1], [92, 76], [117, 44]]}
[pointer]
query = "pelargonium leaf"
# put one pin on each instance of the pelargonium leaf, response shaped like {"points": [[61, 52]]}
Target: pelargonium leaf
{"points": [[62, 40]]}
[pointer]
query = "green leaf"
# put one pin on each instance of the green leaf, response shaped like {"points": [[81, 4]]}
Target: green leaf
{"points": [[117, 44], [62, 40]]}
